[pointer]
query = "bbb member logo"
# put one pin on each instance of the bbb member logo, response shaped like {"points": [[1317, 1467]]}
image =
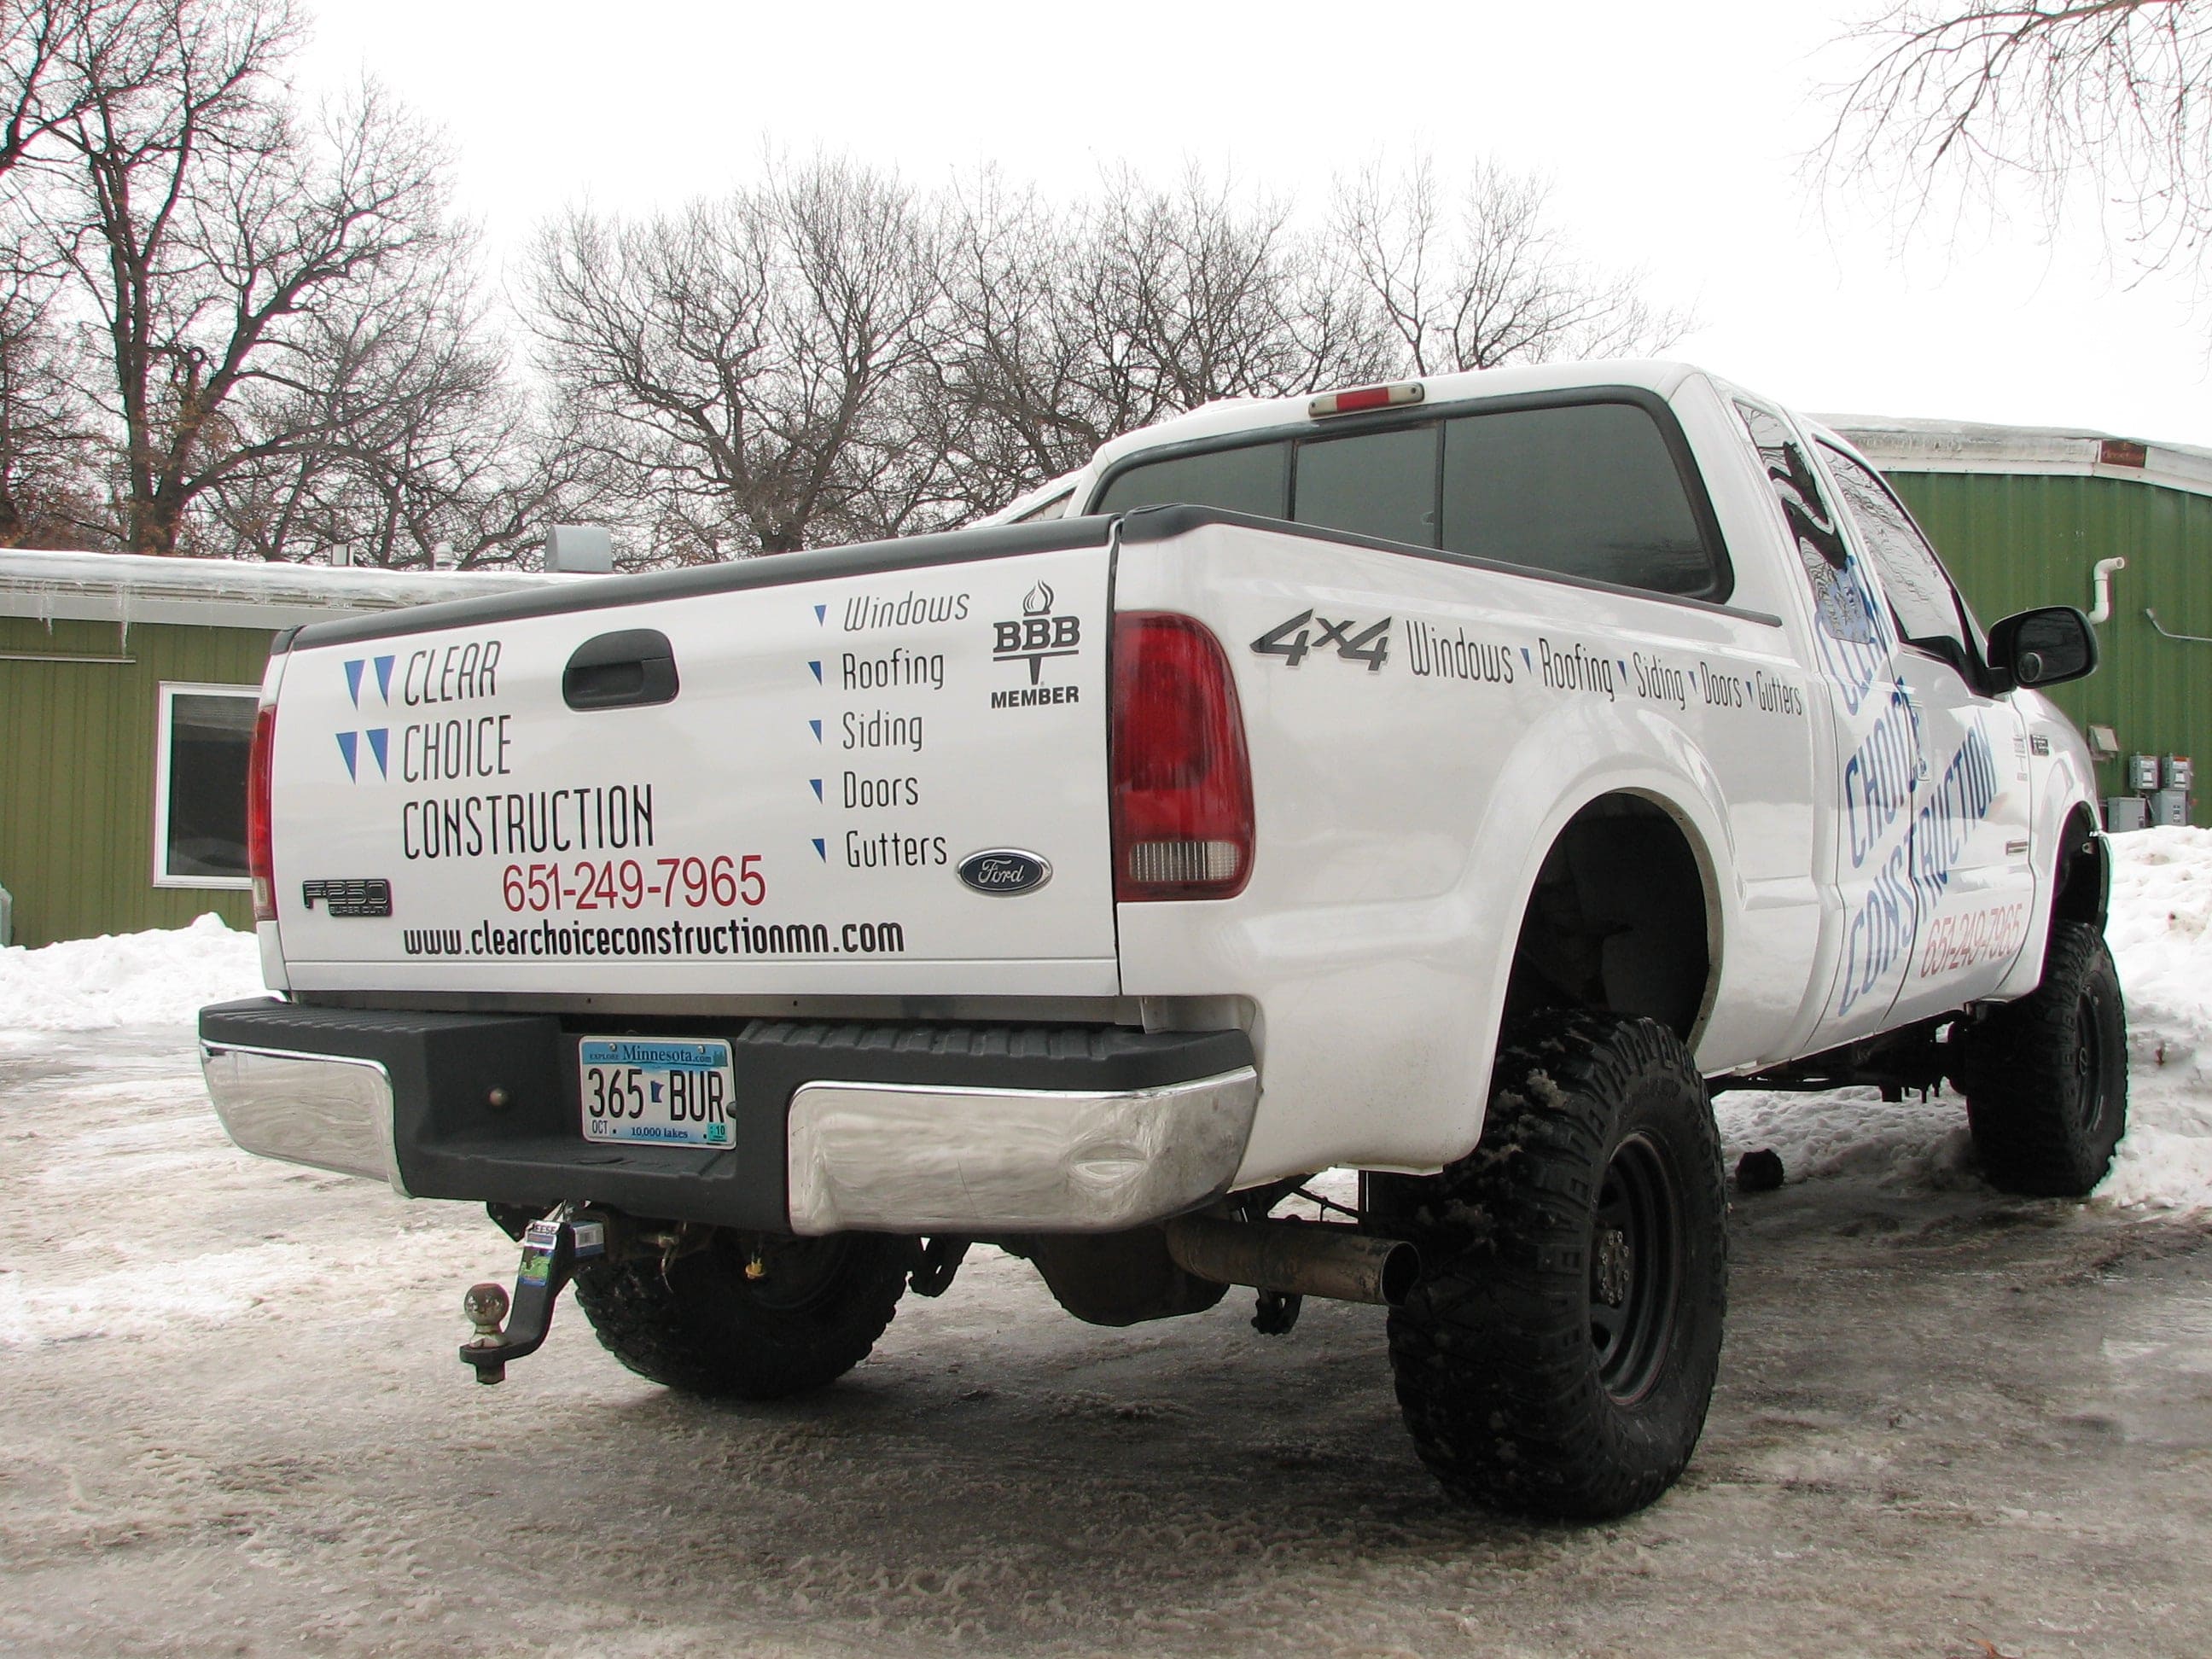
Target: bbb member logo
{"points": [[379, 738], [1039, 634]]}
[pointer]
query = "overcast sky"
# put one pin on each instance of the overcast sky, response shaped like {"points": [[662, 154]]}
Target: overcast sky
{"points": [[1674, 136]]}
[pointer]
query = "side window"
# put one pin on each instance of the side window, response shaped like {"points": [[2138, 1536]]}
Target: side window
{"points": [[1846, 611], [201, 737], [1373, 484], [1588, 489], [1919, 593], [1252, 479]]}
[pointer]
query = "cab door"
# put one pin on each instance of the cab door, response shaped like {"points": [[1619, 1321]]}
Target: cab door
{"points": [[1875, 733], [1968, 834]]}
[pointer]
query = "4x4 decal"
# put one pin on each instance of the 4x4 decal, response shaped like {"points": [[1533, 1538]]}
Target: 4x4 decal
{"points": [[1292, 640]]}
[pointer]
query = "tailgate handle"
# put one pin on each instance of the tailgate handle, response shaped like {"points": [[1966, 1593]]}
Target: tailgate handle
{"points": [[633, 669]]}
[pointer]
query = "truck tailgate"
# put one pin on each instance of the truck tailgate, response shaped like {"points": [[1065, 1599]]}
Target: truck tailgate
{"points": [[532, 803]]}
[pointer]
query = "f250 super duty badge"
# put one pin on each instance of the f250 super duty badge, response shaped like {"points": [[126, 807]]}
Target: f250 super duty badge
{"points": [[1306, 632], [361, 896]]}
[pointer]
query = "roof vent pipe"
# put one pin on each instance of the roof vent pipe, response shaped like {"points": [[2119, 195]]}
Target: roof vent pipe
{"points": [[2101, 576]]}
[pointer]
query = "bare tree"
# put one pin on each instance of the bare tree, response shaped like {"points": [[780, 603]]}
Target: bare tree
{"points": [[1067, 326], [1485, 277], [748, 364], [48, 485], [390, 431], [202, 226], [55, 55], [1962, 97]]}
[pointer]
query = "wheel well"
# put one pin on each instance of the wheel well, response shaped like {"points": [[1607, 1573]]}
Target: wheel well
{"points": [[2085, 878], [1618, 919]]}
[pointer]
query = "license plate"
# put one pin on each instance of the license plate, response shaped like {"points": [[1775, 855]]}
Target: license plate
{"points": [[668, 1092]]}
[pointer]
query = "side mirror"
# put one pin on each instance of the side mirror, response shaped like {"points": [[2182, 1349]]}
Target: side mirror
{"points": [[2044, 646]]}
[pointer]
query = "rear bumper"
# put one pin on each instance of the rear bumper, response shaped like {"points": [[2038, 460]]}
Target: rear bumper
{"points": [[895, 1128]]}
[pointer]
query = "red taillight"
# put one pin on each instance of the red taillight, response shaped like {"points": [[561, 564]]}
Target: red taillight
{"points": [[258, 863], [1181, 782]]}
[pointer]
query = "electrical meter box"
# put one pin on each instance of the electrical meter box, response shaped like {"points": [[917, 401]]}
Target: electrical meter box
{"points": [[2177, 773], [2143, 773], [2124, 812], [2169, 807]]}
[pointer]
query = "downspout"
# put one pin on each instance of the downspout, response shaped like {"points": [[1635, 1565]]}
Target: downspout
{"points": [[2101, 576]]}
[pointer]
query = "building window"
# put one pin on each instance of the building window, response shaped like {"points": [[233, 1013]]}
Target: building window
{"points": [[200, 743]]}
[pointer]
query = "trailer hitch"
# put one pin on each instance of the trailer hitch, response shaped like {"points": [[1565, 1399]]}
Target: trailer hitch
{"points": [[552, 1248]]}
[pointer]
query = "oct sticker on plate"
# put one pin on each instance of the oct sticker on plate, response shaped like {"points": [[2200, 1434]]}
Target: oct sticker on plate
{"points": [[668, 1092]]}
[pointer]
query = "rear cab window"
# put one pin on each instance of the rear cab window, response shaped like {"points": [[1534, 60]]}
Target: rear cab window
{"points": [[1594, 489], [1587, 490]]}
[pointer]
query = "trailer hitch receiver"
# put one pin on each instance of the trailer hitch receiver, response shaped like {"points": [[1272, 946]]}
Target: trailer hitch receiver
{"points": [[550, 1250]]}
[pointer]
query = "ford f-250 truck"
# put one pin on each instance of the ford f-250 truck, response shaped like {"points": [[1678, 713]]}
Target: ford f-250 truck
{"points": [[1454, 782]]}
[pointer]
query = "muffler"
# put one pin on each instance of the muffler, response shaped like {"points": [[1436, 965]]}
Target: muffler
{"points": [[1296, 1258]]}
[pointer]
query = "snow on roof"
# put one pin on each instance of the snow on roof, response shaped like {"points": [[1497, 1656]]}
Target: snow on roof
{"points": [[1902, 443], [129, 587]]}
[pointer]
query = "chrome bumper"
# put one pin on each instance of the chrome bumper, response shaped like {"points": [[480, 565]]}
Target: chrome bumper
{"points": [[985, 1129], [323, 1110], [897, 1158]]}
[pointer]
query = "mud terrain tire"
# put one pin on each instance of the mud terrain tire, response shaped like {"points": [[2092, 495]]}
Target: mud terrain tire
{"points": [[1557, 1358], [706, 1329], [2047, 1078]]}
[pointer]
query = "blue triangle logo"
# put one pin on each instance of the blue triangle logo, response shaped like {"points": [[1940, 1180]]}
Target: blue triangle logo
{"points": [[817, 725], [353, 679], [821, 614], [1623, 668], [384, 677], [821, 851], [380, 745], [816, 782], [348, 745], [1527, 661], [817, 667]]}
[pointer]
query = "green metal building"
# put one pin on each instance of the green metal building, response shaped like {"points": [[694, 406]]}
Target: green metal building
{"points": [[2022, 516], [127, 688]]}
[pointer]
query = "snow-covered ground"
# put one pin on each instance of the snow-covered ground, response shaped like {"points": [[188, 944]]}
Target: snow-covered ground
{"points": [[159, 978], [235, 1421], [2160, 934], [2161, 907]]}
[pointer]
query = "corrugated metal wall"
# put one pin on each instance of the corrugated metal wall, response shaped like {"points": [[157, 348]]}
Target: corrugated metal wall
{"points": [[77, 772], [2016, 541]]}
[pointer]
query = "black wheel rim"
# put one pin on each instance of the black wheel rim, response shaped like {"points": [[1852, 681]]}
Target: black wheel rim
{"points": [[2094, 1087], [1636, 1269]]}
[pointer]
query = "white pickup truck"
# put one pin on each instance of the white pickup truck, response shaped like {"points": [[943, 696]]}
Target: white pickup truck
{"points": [[1455, 781]]}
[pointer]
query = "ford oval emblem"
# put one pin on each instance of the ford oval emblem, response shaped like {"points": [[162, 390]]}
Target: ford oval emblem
{"points": [[1004, 870]]}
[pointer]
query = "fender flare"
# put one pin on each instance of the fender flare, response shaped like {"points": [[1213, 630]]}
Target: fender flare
{"points": [[1656, 764], [2067, 795]]}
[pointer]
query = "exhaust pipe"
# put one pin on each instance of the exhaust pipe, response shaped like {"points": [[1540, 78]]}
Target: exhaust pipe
{"points": [[1296, 1258]]}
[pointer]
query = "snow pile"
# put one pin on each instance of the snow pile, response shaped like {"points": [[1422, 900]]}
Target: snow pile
{"points": [[159, 977], [2160, 934]]}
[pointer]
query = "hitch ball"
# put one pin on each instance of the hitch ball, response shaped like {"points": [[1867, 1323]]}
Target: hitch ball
{"points": [[485, 1307]]}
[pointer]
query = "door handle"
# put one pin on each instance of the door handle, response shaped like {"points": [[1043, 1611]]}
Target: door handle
{"points": [[633, 669]]}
